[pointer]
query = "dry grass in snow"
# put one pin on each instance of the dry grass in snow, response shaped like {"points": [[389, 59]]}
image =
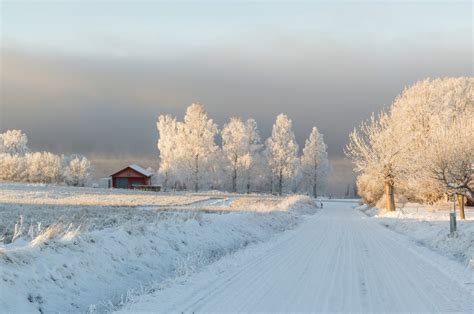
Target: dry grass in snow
{"points": [[76, 250]]}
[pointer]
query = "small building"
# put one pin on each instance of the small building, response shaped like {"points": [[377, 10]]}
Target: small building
{"points": [[105, 183], [131, 177]]}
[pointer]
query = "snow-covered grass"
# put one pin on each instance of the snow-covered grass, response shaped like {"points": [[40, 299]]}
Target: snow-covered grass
{"points": [[68, 249], [44, 194], [429, 226]]}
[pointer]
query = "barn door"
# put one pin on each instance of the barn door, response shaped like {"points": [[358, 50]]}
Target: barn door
{"points": [[122, 183]]}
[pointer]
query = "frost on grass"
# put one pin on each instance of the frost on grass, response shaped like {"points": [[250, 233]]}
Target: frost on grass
{"points": [[66, 257]]}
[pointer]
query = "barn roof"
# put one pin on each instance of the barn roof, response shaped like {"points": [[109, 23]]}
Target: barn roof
{"points": [[138, 169], [141, 170]]}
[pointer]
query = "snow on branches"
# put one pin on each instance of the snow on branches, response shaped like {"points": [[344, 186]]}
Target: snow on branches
{"points": [[17, 163], [191, 159], [283, 157], [314, 163], [422, 145]]}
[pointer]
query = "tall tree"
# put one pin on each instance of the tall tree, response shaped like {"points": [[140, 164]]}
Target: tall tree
{"points": [[167, 147], [314, 162], [395, 147], [282, 150], [376, 150], [196, 144], [234, 147], [251, 159]]}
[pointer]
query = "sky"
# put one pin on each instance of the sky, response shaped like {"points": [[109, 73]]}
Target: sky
{"points": [[92, 77]]}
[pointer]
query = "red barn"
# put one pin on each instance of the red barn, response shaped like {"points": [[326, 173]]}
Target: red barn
{"points": [[131, 176]]}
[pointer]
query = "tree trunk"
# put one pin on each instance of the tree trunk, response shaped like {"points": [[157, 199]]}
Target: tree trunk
{"points": [[271, 183], [234, 181], [315, 178], [389, 195], [165, 183], [461, 207], [196, 175], [280, 183]]}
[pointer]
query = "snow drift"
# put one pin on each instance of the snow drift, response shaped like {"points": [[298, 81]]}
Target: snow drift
{"points": [[429, 226], [71, 268]]}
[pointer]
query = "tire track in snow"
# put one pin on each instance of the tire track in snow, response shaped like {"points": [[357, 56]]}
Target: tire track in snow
{"points": [[337, 260]]}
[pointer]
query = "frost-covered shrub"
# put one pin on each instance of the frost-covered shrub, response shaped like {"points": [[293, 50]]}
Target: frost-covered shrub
{"points": [[43, 167], [17, 164], [77, 170], [12, 167], [369, 188], [14, 142]]}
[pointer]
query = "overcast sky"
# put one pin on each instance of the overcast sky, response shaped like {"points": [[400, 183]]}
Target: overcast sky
{"points": [[92, 77]]}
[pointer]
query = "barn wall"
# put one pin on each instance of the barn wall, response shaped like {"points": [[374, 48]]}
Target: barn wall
{"points": [[132, 176]]}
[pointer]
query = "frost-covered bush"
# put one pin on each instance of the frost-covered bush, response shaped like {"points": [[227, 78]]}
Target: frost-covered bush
{"points": [[77, 170], [14, 142], [369, 189], [43, 167], [12, 167], [18, 164]]}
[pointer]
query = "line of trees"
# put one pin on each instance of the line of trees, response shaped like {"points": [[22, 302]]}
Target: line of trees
{"points": [[421, 148], [18, 163], [191, 159]]}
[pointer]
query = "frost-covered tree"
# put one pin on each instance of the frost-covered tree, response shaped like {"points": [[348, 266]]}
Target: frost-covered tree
{"points": [[196, 145], [251, 160], [167, 147], [376, 150], [234, 147], [282, 151], [77, 170], [14, 142], [420, 111], [240, 145], [394, 148], [450, 160], [43, 167], [314, 162]]}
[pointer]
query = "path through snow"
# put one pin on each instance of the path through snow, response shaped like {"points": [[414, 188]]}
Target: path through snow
{"points": [[338, 260]]}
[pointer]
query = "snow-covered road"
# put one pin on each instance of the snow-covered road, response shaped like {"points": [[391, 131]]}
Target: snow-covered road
{"points": [[338, 260]]}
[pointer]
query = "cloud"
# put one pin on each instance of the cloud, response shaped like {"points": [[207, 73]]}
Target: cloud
{"points": [[110, 105]]}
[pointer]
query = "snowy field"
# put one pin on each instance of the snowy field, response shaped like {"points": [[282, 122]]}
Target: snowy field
{"points": [[65, 249], [429, 226]]}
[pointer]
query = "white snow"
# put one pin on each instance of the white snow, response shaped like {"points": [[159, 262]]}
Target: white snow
{"points": [[71, 255], [338, 260], [80, 249], [429, 225]]}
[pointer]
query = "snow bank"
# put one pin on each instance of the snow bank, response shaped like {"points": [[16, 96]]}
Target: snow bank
{"points": [[71, 267], [429, 226]]}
